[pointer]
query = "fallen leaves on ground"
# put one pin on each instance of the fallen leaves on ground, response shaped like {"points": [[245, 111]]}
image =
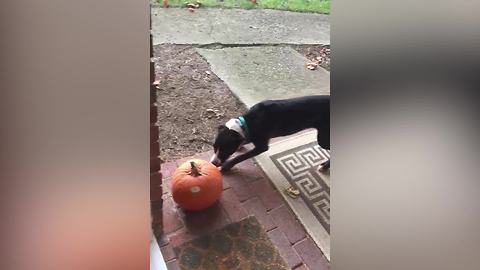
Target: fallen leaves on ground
{"points": [[318, 60], [215, 113], [156, 84], [192, 6], [312, 66]]}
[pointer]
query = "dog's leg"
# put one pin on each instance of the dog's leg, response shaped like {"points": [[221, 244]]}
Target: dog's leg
{"points": [[254, 152], [326, 165], [324, 142]]}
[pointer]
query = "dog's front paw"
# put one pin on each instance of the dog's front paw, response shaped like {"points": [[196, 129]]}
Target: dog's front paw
{"points": [[225, 167], [325, 166]]}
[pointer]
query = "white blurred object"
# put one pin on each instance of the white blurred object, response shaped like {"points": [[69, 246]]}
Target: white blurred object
{"points": [[156, 259]]}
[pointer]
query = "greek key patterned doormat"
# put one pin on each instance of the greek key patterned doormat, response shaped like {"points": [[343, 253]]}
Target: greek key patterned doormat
{"points": [[301, 166], [295, 162], [243, 245]]}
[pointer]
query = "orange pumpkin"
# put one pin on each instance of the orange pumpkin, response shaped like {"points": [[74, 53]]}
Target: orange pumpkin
{"points": [[196, 184]]}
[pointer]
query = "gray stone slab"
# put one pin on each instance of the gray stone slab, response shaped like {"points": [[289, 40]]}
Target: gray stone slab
{"points": [[259, 73], [238, 26]]}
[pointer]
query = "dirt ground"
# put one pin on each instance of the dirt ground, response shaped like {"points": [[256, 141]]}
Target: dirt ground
{"points": [[192, 102], [314, 52]]}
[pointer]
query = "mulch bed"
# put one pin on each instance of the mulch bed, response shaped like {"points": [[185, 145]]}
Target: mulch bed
{"points": [[192, 102], [314, 52]]}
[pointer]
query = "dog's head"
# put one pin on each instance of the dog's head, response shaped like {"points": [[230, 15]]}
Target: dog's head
{"points": [[226, 143]]}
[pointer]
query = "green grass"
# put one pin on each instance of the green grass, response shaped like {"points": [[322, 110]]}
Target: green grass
{"points": [[317, 6]]}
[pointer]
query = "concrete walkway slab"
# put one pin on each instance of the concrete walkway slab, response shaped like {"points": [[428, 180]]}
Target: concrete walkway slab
{"points": [[238, 26], [259, 73]]}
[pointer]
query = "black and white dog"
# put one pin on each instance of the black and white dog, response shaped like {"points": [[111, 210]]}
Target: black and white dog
{"points": [[269, 119]]}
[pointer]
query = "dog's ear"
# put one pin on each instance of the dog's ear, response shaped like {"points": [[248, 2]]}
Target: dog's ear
{"points": [[222, 128]]}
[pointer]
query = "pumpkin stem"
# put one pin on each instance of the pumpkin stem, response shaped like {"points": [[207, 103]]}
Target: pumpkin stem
{"points": [[195, 171]]}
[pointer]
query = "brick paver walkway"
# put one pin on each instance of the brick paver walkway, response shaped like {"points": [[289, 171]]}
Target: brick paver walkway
{"points": [[247, 191]]}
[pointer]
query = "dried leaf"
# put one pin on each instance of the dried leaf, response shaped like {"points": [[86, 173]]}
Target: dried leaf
{"points": [[192, 5], [157, 82], [312, 66], [292, 192]]}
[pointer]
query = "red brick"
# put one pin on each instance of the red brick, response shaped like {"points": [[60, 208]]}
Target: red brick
{"points": [[157, 216], [168, 169], [153, 114], [179, 237], [153, 94], [154, 134], [154, 165], [156, 178], [226, 185], [156, 193], [158, 232], [262, 186], [151, 39], [154, 150], [267, 193], [168, 253], [311, 255], [173, 265], [256, 208], [247, 170], [302, 267], [241, 188], [152, 69], [232, 206], [286, 221], [171, 217], [285, 248], [205, 221], [156, 205], [162, 238], [272, 200], [167, 185]]}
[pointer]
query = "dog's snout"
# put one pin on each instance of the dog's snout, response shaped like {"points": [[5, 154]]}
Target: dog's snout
{"points": [[215, 160]]}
